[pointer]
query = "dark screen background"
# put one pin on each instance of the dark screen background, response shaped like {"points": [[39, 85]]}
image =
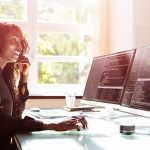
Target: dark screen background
{"points": [[107, 77], [137, 92]]}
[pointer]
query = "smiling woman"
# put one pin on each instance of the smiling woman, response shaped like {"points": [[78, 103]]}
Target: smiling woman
{"points": [[12, 47], [14, 71]]}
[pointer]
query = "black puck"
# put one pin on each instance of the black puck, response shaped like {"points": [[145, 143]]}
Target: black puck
{"points": [[127, 129]]}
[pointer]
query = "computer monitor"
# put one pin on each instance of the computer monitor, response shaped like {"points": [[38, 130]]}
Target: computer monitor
{"points": [[107, 79], [137, 91]]}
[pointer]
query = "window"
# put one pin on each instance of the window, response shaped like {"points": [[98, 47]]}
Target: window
{"points": [[60, 34]]}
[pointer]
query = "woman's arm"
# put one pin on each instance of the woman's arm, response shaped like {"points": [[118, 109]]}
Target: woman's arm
{"points": [[9, 125], [22, 66]]}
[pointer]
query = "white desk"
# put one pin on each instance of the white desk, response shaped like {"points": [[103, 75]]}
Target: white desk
{"points": [[102, 134]]}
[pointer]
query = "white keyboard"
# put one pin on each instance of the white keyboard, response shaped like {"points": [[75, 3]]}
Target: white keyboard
{"points": [[53, 113]]}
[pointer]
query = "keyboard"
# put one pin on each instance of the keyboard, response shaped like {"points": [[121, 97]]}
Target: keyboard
{"points": [[52, 113]]}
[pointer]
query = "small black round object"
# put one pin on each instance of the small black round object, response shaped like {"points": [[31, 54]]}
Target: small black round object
{"points": [[35, 109], [127, 129]]}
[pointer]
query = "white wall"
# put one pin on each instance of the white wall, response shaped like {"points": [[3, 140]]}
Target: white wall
{"points": [[120, 25], [129, 24], [142, 22]]}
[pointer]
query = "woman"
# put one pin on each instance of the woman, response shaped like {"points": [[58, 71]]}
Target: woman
{"points": [[14, 93]]}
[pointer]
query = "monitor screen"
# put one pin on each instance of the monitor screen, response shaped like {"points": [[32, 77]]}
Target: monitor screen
{"points": [[107, 78], [137, 91]]}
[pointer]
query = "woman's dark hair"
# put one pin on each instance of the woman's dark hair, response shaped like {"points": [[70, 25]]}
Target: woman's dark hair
{"points": [[6, 28]]}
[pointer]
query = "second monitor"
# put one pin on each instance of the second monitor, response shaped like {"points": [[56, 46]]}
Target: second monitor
{"points": [[137, 91]]}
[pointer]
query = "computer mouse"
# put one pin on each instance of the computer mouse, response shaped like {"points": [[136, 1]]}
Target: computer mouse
{"points": [[35, 109]]}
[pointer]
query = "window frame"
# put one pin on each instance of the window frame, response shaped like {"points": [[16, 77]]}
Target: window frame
{"points": [[32, 27]]}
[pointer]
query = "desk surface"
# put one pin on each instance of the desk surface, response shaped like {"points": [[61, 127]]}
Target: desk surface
{"points": [[102, 134]]}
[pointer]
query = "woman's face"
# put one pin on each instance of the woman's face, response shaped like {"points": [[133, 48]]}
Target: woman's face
{"points": [[11, 49]]}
